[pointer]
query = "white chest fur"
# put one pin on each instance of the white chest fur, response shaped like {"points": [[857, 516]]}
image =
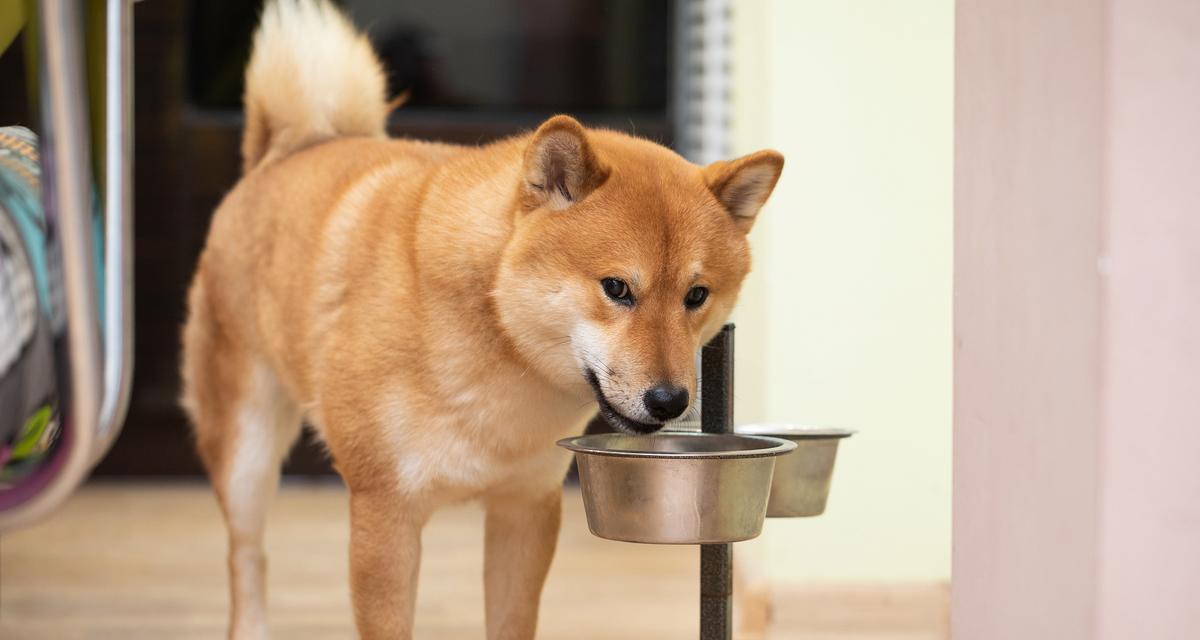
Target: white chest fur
{"points": [[495, 436]]}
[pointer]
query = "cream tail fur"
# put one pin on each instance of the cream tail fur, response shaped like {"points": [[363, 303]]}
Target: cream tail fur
{"points": [[312, 76]]}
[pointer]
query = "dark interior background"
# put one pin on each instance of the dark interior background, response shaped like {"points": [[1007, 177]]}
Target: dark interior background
{"points": [[477, 71]]}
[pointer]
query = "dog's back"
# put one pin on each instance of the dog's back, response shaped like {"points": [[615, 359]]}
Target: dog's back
{"points": [[315, 124]]}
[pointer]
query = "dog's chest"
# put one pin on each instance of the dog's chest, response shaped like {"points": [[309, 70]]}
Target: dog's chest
{"points": [[480, 438]]}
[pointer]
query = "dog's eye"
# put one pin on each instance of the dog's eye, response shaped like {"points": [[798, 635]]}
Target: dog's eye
{"points": [[695, 297], [617, 290]]}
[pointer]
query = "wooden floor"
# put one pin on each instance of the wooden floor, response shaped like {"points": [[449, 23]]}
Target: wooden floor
{"points": [[140, 561]]}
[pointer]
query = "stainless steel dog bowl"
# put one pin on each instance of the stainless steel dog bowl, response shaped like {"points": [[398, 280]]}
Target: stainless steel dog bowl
{"points": [[676, 488], [801, 484]]}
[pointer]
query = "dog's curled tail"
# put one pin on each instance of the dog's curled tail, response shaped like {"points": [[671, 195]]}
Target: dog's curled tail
{"points": [[312, 76]]}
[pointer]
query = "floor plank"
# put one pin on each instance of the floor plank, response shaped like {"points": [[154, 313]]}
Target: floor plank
{"points": [[142, 561]]}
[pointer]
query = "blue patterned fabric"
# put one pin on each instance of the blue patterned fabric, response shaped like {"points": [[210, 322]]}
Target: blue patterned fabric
{"points": [[32, 318]]}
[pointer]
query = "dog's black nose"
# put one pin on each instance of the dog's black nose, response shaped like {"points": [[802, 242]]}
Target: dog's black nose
{"points": [[666, 401]]}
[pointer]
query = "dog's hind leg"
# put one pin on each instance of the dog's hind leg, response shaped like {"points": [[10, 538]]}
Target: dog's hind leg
{"points": [[245, 424], [268, 423]]}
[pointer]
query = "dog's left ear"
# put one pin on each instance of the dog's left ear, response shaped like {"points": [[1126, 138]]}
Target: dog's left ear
{"points": [[744, 184], [561, 168]]}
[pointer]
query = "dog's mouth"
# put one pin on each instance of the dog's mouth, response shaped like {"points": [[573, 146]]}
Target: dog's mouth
{"points": [[615, 418]]}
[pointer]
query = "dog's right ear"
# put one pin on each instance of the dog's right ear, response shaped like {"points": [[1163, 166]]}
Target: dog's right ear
{"points": [[560, 166]]}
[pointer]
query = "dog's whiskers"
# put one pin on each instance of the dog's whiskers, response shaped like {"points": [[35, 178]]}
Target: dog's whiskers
{"points": [[598, 368]]}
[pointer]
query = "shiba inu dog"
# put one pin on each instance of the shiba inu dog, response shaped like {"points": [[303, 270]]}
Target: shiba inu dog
{"points": [[440, 315]]}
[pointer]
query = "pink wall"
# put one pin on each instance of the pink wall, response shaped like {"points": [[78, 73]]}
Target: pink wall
{"points": [[1150, 482], [1077, 320], [1028, 175]]}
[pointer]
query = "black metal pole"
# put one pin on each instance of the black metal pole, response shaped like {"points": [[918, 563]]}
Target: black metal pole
{"points": [[716, 416]]}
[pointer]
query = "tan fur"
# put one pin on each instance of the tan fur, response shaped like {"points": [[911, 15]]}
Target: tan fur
{"points": [[431, 309]]}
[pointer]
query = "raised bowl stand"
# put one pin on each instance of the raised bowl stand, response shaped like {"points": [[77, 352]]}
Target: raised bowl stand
{"points": [[716, 416]]}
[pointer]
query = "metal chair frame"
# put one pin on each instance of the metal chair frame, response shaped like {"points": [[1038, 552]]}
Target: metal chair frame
{"points": [[101, 366]]}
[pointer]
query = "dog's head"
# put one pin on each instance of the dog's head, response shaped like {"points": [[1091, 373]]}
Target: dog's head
{"points": [[625, 260]]}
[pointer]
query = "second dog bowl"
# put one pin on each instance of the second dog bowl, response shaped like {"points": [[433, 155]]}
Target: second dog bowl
{"points": [[676, 488], [801, 484]]}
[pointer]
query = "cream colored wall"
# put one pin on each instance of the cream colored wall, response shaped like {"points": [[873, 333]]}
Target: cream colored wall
{"points": [[846, 320]]}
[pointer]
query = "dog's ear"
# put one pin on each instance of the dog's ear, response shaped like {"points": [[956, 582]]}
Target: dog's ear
{"points": [[743, 185], [560, 166]]}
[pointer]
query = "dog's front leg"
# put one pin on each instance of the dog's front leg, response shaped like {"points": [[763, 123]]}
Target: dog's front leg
{"points": [[385, 558], [522, 532]]}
